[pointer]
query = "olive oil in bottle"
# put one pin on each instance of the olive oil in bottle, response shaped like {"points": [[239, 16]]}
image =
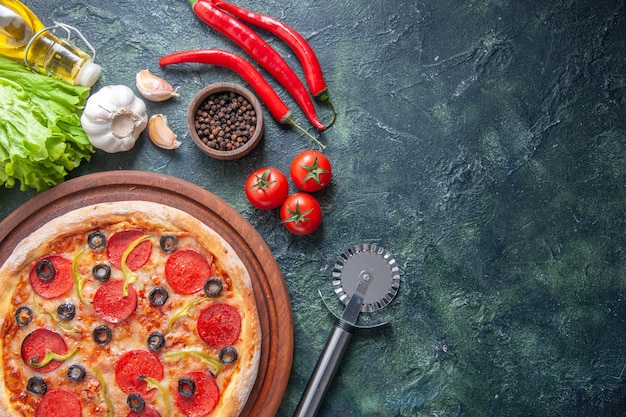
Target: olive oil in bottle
{"points": [[23, 37]]}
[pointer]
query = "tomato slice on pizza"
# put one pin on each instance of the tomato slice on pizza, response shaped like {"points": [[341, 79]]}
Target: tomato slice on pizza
{"points": [[186, 270], [51, 276]]}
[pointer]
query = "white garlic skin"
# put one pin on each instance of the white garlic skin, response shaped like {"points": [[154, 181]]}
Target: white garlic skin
{"points": [[154, 88], [113, 118], [161, 134]]}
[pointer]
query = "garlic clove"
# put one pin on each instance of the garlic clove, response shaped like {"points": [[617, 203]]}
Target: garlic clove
{"points": [[161, 134], [154, 88]]}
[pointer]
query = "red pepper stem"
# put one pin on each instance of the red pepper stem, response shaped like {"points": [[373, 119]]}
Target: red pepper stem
{"points": [[333, 113], [301, 129]]}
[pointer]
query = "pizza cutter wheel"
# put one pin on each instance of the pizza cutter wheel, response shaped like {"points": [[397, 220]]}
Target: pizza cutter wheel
{"points": [[365, 278]]}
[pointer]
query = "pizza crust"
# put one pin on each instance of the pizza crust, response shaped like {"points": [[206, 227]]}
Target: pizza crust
{"points": [[89, 218]]}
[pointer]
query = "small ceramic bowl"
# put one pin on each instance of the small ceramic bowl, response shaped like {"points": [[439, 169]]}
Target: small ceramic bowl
{"points": [[234, 141]]}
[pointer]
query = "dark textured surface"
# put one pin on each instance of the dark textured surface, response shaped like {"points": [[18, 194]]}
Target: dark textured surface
{"points": [[480, 142]]}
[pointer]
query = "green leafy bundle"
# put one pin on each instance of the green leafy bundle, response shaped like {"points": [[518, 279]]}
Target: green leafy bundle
{"points": [[41, 138]]}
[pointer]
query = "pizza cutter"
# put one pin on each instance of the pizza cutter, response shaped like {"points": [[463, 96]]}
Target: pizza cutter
{"points": [[365, 278]]}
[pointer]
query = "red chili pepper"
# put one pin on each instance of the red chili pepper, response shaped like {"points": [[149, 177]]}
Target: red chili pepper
{"points": [[262, 53], [299, 45], [234, 62]]}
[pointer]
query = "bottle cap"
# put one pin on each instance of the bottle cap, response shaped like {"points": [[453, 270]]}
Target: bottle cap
{"points": [[88, 74]]}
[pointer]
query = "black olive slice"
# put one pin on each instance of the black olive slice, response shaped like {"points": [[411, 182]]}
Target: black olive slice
{"points": [[45, 270], [228, 355], [76, 373], [37, 385], [23, 316], [96, 240], [102, 272], [66, 311], [212, 287], [102, 335], [158, 296], [156, 341], [186, 387], [135, 402], [168, 243]]}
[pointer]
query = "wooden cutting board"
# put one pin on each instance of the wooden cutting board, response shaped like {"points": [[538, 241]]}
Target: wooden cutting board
{"points": [[269, 287]]}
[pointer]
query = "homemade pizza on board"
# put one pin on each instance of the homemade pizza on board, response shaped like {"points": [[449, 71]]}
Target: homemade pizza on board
{"points": [[127, 308]]}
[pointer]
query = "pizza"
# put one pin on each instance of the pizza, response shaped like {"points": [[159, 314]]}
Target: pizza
{"points": [[127, 308]]}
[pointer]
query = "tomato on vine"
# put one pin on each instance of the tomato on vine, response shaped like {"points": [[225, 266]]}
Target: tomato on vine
{"points": [[301, 213], [311, 171], [267, 188]]}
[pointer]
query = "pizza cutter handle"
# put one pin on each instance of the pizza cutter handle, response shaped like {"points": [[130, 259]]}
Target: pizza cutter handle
{"points": [[324, 371]]}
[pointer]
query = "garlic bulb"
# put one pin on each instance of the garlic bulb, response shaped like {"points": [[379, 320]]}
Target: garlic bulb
{"points": [[154, 88], [161, 134], [113, 118]]}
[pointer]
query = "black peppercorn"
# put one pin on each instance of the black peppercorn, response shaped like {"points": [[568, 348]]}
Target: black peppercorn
{"points": [[225, 121]]}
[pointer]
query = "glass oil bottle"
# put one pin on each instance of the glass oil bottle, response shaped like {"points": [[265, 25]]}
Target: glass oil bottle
{"points": [[24, 37]]}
